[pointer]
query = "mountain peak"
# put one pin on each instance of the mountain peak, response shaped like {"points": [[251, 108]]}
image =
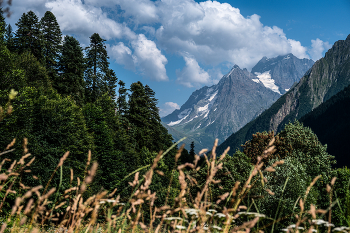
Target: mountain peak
{"points": [[348, 38]]}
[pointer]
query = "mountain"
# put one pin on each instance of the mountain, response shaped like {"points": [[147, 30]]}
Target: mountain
{"points": [[327, 77], [240, 96], [330, 122], [283, 70]]}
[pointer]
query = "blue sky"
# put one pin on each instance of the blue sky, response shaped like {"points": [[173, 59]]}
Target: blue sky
{"points": [[178, 46]]}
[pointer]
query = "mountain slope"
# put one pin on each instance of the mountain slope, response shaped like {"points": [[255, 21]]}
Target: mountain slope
{"points": [[328, 76], [217, 111], [240, 96], [284, 70], [330, 122]]}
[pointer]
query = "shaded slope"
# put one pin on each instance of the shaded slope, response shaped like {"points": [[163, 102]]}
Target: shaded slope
{"points": [[331, 123]]}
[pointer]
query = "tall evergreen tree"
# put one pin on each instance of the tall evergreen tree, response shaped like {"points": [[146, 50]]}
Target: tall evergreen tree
{"points": [[28, 35], [99, 77], [71, 66], [2, 26], [121, 101], [143, 114], [51, 41], [9, 38]]}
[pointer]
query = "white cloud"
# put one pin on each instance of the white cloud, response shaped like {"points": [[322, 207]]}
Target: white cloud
{"points": [[149, 59], [122, 55], [83, 20], [168, 108], [298, 50], [213, 33], [216, 32], [318, 46], [192, 74]]}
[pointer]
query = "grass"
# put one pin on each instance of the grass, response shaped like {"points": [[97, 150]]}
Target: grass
{"points": [[40, 209]]}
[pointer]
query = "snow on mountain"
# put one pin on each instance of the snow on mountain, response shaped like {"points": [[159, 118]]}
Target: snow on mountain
{"points": [[268, 82], [239, 97]]}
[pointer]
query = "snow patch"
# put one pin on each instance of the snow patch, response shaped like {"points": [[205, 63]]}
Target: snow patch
{"points": [[286, 89], [231, 71], [215, 109], [255, 80], [213, 96], [206, 114], [205, 108], [177, 122], [286, 58], [268, 82]]}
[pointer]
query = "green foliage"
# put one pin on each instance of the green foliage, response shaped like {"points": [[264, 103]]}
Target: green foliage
{"points": [[103, 126], [341, 210], [53, 125], [235, 168], [99, 78], [29, 36], [2, 27], [9, 38], [12, 77], [52, 37], [143, 115], [282, 205], [35, 73], [70, 80]]}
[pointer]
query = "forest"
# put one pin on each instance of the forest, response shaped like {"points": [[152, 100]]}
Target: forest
{"points": [[66, 120]]}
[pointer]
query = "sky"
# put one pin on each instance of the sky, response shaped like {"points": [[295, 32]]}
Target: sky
{"points": [[179, 46]]}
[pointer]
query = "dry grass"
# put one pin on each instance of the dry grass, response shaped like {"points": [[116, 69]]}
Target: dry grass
{"points": [[39, 207]]}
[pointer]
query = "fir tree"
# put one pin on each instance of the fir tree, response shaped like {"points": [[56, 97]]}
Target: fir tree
{"points": [[71, 70], [9, 38], [192, 152], [28, 35], [99, 77], [51, 41], [121, 101], [143, 114], [2, 27]]}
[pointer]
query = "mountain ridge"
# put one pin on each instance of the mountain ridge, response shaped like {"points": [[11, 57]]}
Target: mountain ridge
{"points": [[219, 110], [328, 76]]}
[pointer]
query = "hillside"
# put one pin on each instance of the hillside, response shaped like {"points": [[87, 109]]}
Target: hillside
{"points": [[330, 122]]}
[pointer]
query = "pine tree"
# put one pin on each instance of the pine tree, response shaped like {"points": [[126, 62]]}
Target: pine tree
{"points": [[28, 35], [9, 38], [192, 152], [51, 41], [99, 77], [2, 27], [143, 114], [121, 101], [71, 66]]}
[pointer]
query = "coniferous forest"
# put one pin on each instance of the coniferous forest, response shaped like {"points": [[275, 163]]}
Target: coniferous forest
{"points": [[66, 119]]}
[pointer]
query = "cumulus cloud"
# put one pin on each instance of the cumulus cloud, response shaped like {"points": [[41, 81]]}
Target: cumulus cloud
{"points": [[149, 58], [168, 108], [122, 55], [81, 19], [192, 74], [298, 50], [214, 32], [145, 57], [317, 48]]}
